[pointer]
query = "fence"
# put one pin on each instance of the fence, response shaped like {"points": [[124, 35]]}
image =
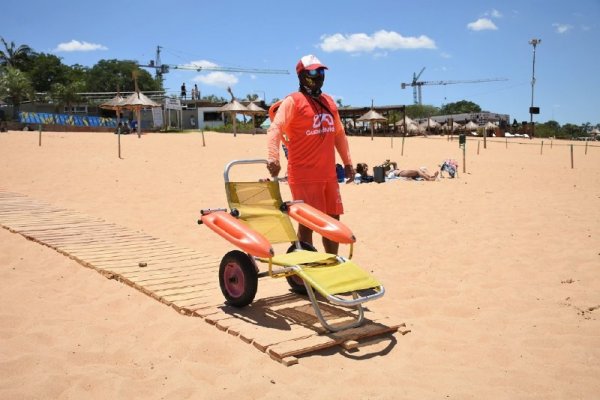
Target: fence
{"points": [[67, 120]]}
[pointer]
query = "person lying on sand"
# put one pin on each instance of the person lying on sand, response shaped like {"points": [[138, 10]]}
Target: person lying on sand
{"points": [[412, 174]]}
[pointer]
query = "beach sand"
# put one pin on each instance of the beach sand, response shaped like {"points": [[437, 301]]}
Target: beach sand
{"points": [[495, 273]]}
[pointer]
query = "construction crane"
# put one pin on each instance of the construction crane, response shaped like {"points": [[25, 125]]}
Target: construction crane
{"points": [[162, 69], [417, 84]]}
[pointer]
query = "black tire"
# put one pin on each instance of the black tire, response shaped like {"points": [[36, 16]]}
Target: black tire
{"points": [[238, 278], [296, 283]]}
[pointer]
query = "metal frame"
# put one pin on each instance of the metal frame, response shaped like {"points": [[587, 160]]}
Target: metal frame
{"points": [[357, 299]]}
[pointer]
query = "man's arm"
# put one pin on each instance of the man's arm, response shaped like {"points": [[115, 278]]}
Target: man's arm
{"points": [[275, 134], [341, 145]]}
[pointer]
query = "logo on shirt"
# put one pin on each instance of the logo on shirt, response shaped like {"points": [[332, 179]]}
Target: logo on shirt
{"points": [[322, 123]]}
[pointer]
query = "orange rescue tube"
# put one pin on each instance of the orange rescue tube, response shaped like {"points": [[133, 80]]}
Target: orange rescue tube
{"points": [[238, 233], [320, 222]]}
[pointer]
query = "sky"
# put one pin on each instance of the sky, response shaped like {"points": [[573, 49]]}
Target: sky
{"points": [[370, 47]]}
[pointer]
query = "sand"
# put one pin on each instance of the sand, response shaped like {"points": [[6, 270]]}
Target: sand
{"points": [[495, 273]]}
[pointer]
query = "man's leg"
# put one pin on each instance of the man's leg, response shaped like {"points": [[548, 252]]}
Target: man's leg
{"points": [[330, 246], [305, 234]]}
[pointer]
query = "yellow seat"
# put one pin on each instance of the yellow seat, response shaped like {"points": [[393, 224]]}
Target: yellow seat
{"points": [[260, 206]]}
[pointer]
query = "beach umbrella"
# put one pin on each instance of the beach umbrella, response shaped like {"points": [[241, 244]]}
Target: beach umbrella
{"points": [[136, 102], [234, 107], [471, 126], [114, 104], [414, 127], [372, 116], [409, 122], [253, 111], [428, 124], [457, 126], [489, 125]]}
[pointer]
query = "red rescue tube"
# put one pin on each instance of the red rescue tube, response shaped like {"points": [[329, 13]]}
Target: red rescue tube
{"points": [[320, 222], [238, 233]]}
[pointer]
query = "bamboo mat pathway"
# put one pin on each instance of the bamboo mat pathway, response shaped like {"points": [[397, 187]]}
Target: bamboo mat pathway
{"points": [[278, 323]]}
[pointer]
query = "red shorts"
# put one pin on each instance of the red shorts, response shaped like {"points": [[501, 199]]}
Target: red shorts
{"points": [[324, 196]]}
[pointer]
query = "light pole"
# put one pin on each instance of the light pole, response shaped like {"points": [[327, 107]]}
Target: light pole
{"points": [[532, 109]]}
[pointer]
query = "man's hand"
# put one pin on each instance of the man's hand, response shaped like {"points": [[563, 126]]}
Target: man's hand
{"points": [[349, 173], [274, 167]]}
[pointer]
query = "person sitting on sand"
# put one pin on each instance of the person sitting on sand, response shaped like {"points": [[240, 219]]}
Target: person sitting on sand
{"points": [[420, 174], [363, 170]]}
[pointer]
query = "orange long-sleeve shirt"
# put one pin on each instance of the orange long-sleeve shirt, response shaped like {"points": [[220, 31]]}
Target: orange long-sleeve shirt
{"points": [[311, 131]]}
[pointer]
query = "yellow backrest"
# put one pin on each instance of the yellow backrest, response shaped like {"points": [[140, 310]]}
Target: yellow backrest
{"points": [[259, 206]]}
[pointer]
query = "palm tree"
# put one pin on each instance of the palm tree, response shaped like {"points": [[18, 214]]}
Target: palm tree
{"points": [[13, 56], [15, 86], [68, 95]]}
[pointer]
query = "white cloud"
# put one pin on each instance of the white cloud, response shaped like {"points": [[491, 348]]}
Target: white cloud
{"points": [[562, 28], [443, 54], [200, 64], [482, 24], [218, 79], [495, 13], [380, 40], [76, 45]]}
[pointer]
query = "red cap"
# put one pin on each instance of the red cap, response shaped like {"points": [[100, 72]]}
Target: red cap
{"points": [[308, 63]]}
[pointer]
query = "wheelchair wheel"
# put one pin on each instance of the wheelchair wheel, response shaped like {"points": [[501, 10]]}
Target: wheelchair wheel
{"points": [[296, 283], [238, 278]]}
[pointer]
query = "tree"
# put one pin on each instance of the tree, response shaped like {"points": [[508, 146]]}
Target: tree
{"points": [[214, 99], [13, 56], [252, 97], [67, 95], [571, 131], [45, 70], [421, 111], [460, 107], [547, 129], [16, 87], [107, 75]]}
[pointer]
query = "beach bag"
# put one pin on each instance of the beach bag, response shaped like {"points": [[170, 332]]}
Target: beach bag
{"points": [[339, 170], [450, 166], [379, 174]]}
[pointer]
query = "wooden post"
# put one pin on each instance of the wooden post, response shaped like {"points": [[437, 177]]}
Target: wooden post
{"points": [[119, 140], [139, 123], [40, 135], [402, 151], [478, 143], [234, 120], [464, 158], [551, 143], [203, 142], [506, 140], [484, 140], [586, 143], [572, 165], [542, 148]]}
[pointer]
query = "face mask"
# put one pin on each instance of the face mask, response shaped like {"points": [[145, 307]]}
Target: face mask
{"points": [[312, 81]]}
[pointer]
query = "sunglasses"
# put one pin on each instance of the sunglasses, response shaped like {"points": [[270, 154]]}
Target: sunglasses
{"points": [[316, 72]]}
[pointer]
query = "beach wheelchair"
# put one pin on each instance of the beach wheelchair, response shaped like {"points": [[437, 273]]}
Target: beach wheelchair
{"points": [[259, 218]]}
